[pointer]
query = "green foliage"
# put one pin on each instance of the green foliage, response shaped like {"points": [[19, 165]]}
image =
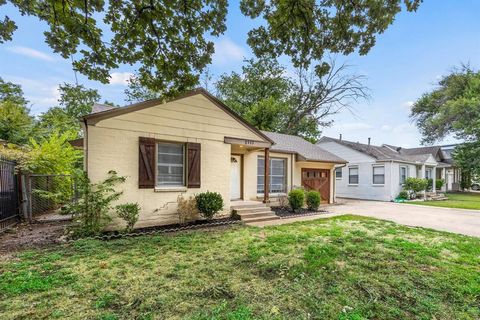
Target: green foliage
{"points": [[209, 203], [75, 101], [313, 199], [415, 184], [91, 211], [403, 195], [11, 92], [129, 213], [15, 122], [53, 155], [173, 42], [270, 99], [439, 183], [453, 108], [296, 198]]}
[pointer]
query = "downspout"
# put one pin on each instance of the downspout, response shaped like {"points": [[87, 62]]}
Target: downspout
{"points": [[291, 171], [85, 147], [392, 197]]}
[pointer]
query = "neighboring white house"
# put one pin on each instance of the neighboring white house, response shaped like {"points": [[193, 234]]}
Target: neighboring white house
{"points": [[378, 172]]}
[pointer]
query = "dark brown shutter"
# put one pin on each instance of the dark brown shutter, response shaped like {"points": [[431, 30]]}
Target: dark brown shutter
{"points": [[146, 163], [193, 160]]}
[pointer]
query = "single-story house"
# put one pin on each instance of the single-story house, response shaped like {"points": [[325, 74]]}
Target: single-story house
{"points": [[378, 172], [195, 143]]}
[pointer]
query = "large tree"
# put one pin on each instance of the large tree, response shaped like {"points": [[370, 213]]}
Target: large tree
{"points": [[173, 41], [16, 123], [453, 108], [74, 101], [272, 99]]}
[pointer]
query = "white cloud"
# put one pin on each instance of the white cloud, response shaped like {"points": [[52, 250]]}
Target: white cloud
{"points": [[354, 126], [408, 104], [120, 78], [386, 127], [227, 51], [29, 52]]}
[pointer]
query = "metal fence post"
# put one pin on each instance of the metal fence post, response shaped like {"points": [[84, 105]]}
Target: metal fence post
{"points": [[29, 198]]}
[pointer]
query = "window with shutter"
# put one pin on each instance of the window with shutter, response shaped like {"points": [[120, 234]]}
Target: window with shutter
{"points": [[194, 165], [146, 163]]}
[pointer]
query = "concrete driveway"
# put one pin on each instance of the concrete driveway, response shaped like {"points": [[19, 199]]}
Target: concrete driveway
{"points": [[460, 221]]}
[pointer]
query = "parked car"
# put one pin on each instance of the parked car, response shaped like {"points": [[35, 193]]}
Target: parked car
{"points": [[475, 186]]}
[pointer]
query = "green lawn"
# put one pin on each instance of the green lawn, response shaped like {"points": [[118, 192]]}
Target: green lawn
{"points": [[340, 268], [455, 200]]}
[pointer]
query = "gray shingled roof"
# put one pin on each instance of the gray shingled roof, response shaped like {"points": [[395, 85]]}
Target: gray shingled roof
{"points": [[300, 146], [389, 152], [98, 107], [377, 152]]}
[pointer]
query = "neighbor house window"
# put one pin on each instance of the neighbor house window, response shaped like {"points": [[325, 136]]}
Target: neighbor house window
{"points": [[353, 175], [403, 174], [278, 175], [170, 165], [338, 173], [378, 175]]}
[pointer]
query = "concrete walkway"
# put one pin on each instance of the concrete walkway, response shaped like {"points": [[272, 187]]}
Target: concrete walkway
{"points": [[460, 221], [293, 219]]}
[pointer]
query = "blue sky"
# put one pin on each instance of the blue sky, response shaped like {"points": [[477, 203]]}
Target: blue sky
{"points": [[405, 62]]}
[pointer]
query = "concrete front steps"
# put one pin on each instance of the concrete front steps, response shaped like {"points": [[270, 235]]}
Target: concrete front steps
{"points": [[436, 196], [252, 211]]}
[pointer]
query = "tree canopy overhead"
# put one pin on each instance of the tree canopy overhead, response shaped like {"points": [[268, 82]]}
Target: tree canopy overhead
{"points": [[172, 41]]}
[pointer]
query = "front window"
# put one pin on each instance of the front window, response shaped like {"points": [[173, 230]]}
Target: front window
{"points": [[379, 175], [403, 174], [353, 175], [278, 175], [170, 165], [338, 173]]}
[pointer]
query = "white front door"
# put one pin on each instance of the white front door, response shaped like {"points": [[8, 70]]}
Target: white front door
{"points": [[235, 177]]}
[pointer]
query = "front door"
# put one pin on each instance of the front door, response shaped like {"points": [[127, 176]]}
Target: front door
{"points": [[317, 179], [235, 178]]}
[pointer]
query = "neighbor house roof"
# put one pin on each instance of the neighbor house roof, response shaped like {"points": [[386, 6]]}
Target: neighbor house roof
{"points": [[390, 152], [297, 145], [107, 112], [99, 107]]}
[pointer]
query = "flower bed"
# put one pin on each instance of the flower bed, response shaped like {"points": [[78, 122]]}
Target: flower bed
{"points": [[283, 212]]}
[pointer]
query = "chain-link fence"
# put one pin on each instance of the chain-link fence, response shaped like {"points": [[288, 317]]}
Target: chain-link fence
{"points": [[47, 193]]}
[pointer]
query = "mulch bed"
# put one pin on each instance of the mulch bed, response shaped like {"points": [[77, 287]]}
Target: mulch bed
{"points": [[287, 213]]}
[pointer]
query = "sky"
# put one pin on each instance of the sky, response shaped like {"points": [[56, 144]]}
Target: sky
{"points": [[407, 60]]}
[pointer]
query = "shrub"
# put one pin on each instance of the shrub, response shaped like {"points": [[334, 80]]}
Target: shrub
{"points": [[415, 184], [403, 195], [313, 200], [282, 201], [91, 210], [209, 203], [439, 184], [187, 209], [296, 197], [129, 213]]}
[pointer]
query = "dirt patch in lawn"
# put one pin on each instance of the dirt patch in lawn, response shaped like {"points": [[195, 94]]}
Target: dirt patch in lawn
{"points": [[26, 236]]}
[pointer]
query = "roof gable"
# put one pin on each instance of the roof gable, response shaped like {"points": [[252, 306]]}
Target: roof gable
{"points": [[94, 118]]}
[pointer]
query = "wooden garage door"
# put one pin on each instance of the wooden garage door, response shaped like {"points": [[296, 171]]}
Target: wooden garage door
{"points": [[317, 179]]}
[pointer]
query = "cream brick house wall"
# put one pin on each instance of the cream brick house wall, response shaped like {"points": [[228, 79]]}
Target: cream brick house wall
{"points": [[113, 144]]}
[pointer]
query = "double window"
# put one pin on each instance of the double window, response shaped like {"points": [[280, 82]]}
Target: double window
{"points": [[378, 175], [278, 175], [170, 164], [353, 175]]}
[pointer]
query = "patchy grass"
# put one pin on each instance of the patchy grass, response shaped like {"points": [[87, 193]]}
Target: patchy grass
{"points": [[455, 200], [341, 268]]}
